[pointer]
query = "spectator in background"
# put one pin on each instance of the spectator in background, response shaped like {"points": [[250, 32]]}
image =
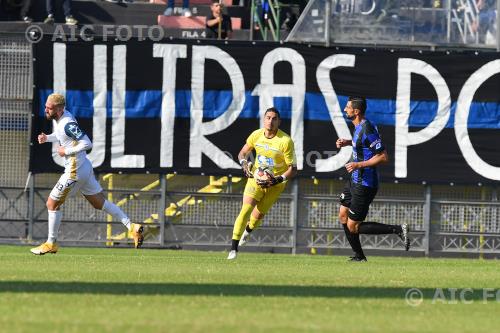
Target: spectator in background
{"points": [[66, 4], [217, 20], [289, 18], [185, 8], [485, 20], [25, 9]]}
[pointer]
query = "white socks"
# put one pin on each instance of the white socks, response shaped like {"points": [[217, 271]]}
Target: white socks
{"points": [[54, 223], [117, 213]]}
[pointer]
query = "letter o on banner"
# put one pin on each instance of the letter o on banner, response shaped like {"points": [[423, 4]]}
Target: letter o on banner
{"points": [[461, 117]]}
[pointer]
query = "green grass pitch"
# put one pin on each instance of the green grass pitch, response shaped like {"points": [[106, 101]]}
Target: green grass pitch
{"points": [[126, 290]]}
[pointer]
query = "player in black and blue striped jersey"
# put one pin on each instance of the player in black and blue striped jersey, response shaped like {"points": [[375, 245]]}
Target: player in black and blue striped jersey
{"points": [[368, 151]]}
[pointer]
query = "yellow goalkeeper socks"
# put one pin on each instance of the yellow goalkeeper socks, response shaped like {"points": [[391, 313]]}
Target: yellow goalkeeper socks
{"points": [[241, 221]]}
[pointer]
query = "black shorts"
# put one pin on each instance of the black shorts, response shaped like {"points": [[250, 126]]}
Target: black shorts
{"points": [[358, 199]]}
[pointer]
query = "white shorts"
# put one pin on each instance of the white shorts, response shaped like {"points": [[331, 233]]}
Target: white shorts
{"points": [[83, 181]]}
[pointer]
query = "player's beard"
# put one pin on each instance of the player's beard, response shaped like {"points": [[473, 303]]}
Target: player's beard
{"points": [[48, 116]]}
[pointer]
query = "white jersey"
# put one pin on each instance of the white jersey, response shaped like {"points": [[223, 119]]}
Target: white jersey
{"points": [[75, 142], [78, 173]]}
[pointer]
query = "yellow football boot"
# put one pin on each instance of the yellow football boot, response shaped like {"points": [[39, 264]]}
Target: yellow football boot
{"points": [[45, 248], [137, 233]]}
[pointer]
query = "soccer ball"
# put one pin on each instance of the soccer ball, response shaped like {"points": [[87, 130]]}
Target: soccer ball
{"points": [[263, 173]]}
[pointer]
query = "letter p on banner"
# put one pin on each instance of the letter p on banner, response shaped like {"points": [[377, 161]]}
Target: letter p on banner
{"points": [[407, 66]]}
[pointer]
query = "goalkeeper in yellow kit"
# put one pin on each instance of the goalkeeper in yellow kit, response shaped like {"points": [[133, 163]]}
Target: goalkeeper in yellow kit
{"points": [[274, 150]]}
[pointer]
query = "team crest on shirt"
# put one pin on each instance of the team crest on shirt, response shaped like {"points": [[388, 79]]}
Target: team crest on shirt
{"points": [[74, 129], [377, 143], [265, 161]]}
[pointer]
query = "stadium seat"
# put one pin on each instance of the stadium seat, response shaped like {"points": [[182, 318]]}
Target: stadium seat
{"points": [[181, 22], [193, 22]]}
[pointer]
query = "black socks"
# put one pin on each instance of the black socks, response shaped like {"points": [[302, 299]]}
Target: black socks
{"points": [[375, 228], [234, 244], [354, 241]]}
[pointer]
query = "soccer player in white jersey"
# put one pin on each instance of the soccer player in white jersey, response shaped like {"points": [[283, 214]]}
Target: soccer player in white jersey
{"points": [[78, 174]]}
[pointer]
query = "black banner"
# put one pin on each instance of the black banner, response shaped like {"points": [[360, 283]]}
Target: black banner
{"points": [[188, 106]]}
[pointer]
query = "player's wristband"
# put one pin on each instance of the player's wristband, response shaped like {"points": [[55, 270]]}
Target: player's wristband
{"points": [[279, 179], [243, 161]]}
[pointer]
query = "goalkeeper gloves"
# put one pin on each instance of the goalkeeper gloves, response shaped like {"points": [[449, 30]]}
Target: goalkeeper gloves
{"points": [[271, 181], [246, 166]]}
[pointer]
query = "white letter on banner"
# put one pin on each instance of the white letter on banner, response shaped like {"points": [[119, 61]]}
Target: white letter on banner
{"points": [[198, 142], [404, 138], [98, 152], [462, 114], [267, 90], [118, 157], [337, 161], [59, 86], [170, 53]]}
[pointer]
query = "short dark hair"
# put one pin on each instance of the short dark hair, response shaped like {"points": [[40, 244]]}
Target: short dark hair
{"points": [[273, 109], [358, 103]]}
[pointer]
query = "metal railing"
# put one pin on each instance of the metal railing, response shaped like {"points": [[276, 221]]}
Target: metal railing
{"points": [[265, 17], [458, 23], [301, 220]]}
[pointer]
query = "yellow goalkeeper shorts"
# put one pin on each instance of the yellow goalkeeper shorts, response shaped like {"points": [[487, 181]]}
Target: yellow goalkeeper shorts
{"points": [[265, 197]]}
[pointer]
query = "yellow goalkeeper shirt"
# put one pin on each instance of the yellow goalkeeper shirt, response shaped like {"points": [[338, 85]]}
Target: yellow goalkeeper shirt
{"points": [[276, 153]]}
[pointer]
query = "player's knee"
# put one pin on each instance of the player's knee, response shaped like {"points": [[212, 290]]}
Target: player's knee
{"points": [[343, 217], [256, 214], [52, 204]]}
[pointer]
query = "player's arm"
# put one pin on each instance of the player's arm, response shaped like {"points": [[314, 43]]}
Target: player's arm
{"points": [[74, 132], [288, 174], [242, 157], [343, 142], [83, 144], [374, 161], [42, 138], [374, 143]]}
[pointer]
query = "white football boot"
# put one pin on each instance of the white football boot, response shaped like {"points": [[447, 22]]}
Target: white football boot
{"points": [[232, 255], [244, 238]]}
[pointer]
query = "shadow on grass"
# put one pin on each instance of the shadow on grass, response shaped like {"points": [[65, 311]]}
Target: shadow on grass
{"points": [[205, 289]]}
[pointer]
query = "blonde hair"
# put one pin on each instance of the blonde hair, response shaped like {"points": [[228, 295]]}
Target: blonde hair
{"points": [[57, 99]]}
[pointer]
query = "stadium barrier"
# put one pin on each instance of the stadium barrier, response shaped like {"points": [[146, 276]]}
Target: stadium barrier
{"points": [[303, 220]]}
